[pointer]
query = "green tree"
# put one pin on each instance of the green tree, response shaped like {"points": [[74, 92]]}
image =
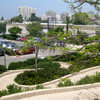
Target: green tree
{"points": [[2, 27], [31, 42], [34, 18], [14, 31], [67, 23], [34, 29], [2, 18], [80, 18], [17, 19]]}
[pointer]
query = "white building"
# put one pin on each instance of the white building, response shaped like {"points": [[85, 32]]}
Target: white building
{"points": [[49, 14], [26, 12]]}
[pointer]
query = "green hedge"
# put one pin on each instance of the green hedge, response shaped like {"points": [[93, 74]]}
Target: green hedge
{"points": [[2, 69], [50, 72], [9, 36], [25, 64]]}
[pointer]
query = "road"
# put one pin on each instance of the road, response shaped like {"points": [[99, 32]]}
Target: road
{"points": [[42, 54]]}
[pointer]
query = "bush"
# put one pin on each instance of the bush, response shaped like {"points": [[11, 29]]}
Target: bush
{"points": [[9, 52], [3, 93], [68, 57], [25, 64], [13, 89], [65, 82], [10, 90], [89, 79], [50, 72], [9, 36], [2, 69], [39, 87]]}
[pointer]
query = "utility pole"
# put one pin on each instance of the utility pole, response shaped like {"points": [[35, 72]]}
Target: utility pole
{"points": [[5, 58]]}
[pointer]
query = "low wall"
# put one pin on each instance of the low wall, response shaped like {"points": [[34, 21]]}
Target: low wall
{"points": [[48, 91]]}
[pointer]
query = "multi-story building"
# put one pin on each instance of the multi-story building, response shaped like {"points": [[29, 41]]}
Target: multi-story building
{"points": [[49, 14], [26, 12]]}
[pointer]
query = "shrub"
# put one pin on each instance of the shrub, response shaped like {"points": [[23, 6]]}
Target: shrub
{"points": [[3, 93], [65, 82], [39, 87], [18, 65], [50, 72], [25, 64], [60, 84], [68, 82], [89, 79], [13, 89], [9, 52], [10, 90], [2, 69]]}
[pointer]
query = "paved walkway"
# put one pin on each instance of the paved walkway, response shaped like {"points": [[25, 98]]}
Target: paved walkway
{"points": [[9, 79], [84, 94]]}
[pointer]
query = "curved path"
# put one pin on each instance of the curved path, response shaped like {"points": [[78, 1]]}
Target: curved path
{"points": [[83, 94], [9, 78]]}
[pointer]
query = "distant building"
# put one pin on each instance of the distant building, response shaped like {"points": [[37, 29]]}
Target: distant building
{"points": [[26, 12], [49, 14], [63, 16]]}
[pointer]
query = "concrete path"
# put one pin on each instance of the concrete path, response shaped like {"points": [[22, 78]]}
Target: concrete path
{"points": [[9, 79], [84, 94], [79, 76]]}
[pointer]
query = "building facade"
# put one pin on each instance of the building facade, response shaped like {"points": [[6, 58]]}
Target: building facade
{"points": [[26, 12]]}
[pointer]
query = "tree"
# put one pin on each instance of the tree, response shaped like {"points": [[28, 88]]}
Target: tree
{"points": [[34, 18], [34, 29], [31, 42], [2, 18], [17, 19], [67, 22], [14, 31], [76, 4], [80, 18], [2, 27]]}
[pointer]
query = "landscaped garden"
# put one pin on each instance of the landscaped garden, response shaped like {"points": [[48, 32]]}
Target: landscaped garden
{"points": [[86, 80]]}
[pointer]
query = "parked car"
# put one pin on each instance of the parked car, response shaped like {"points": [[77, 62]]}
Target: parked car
{"points": [[23, 38], [1, 52], [21, 50]]}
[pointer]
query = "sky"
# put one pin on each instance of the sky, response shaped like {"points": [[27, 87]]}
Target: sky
{"points": [[9, 8]]}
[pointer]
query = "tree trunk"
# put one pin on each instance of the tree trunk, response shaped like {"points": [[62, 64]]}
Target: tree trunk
{"points": [[67, 27], [36, 57]]}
